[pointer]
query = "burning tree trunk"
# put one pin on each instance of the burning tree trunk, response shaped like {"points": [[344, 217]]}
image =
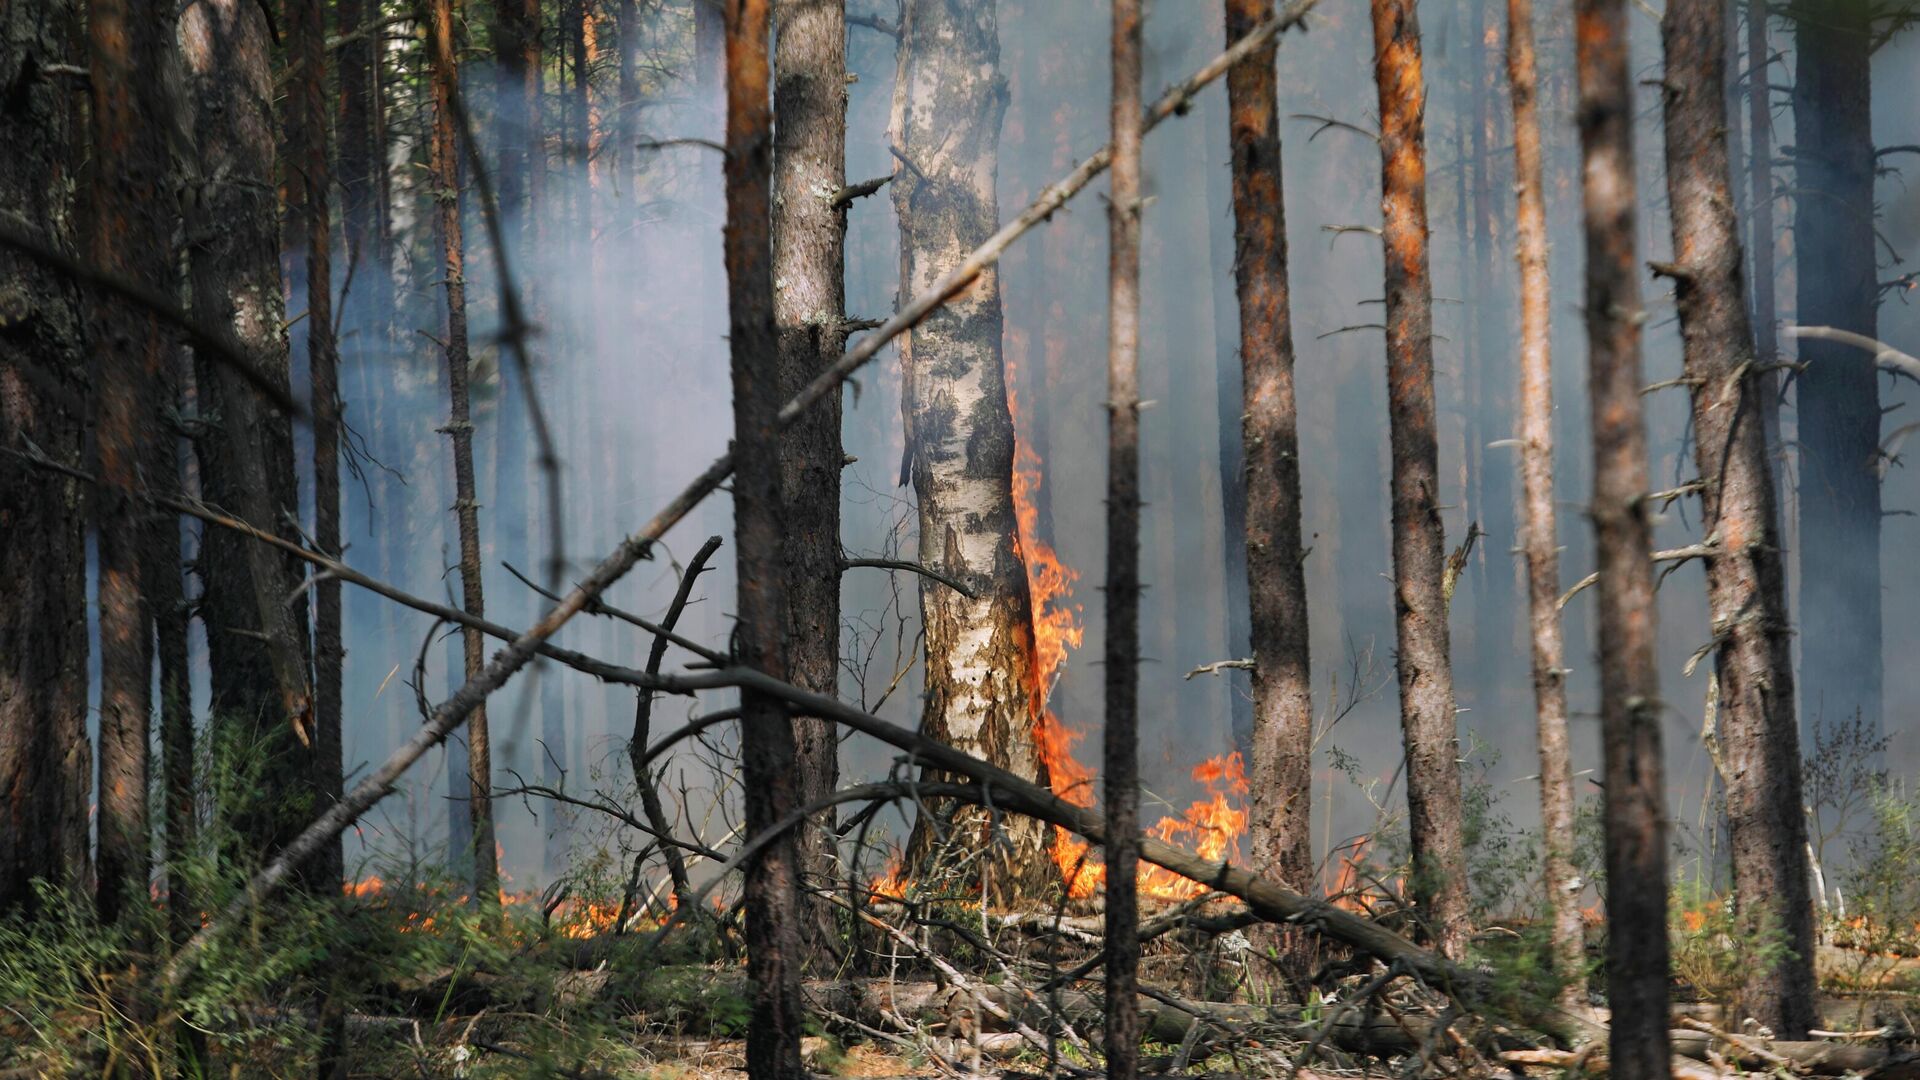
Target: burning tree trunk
{"points": [[1420, 606], [45, 769], [309, 178], [132, 217], [767, 764], [1122, 669], [1636, 855], [984, 692], [1282, 742], [1838, 395], [1746, 585], [257, 644], [1539, 533], [446, 182], [809, 310]]}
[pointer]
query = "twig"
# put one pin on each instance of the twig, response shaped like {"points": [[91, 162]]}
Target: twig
{"points": [[1694, 551], [1218, 666], [913, 567]]}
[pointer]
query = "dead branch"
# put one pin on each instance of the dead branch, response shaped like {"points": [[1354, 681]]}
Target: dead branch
{"points": [[1672, 555], [1218, 666], [913, 568], [1884, 355]]}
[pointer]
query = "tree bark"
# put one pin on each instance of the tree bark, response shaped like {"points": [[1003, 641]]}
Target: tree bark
{"points": [[1122, 660], [1746, 584], [769, 784], [1539, 531], [1420, 607], [983, 692], [1636, 854], [809, 310], [1838, 394], [132, 218], [1760, 200], [257, 644], [1282, 735], [45, 763], [446, 180]]}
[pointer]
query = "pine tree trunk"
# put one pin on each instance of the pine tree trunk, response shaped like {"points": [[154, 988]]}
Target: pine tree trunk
{"points": [[1746, 584], [1760, 200], [45, 765], [446, 179], [982, 690], [769, 780], [257, 644], [1122, 660], [1423, 661], [1636, 854], [809, 307], [1838, 393], [1538, 529], [132, 219]]}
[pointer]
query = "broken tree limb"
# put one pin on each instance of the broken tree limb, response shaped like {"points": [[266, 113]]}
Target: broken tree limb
{"points": [[1884, 355], [506, 663], [1692, 551]]}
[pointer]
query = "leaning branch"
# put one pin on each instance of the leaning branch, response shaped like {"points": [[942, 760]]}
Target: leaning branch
{"points": [[1884, 355]]}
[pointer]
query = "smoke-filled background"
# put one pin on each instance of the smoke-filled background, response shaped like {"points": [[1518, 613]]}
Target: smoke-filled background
{"points": [[624, 279]]}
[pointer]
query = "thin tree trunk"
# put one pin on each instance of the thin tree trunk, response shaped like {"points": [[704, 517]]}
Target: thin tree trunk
{"points": [[45, 764], [1636, 853], [257, 644], [768, 776], [1746, 584], [1539, 532], [1766, 335], [1838, 394], [1423, 660], [1282, 737], [132, 218], [447, 177], [809, 308], [1122, 660], [983, 692], [626, 128]]}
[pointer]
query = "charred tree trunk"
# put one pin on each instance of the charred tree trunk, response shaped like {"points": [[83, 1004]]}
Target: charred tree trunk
{"points": [[257, 644], [768, 774], [447, 178], [45, 765], [809, 310], [1746, 584], [131, 218], [1282, 742], [309, 179], [1760, 199], [1636, 851], [982, 688], [1838, 394], [1122, 668], [1420, 606], [1539, 532]]}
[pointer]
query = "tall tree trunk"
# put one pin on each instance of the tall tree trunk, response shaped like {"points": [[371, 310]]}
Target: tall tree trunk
{"points": [[1636, 851], [1539, 532], [1746, 585], [447, 179], [1420, 606], [131, 218], [1760, 200], [1838, 396], [257, 644], [768, 775], [809, 310], [361, 161], [1282, 738], [1122, 660], [45, 766], [982, 687]]}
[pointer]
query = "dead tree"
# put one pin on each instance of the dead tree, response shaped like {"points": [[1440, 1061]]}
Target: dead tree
{"points": [[360, 172], [445, 159], [45, 764], [132, 217], [1636, 853], [769, 782], [1760, 200], [1122, 667], [982, 689], [809, 310], [1420, 607], [257, 644], [1746, 584], [1837, 395], [1539, 532]]}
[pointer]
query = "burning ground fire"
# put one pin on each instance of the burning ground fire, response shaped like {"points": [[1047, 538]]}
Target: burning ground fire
{"points": [[424, 905]]}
